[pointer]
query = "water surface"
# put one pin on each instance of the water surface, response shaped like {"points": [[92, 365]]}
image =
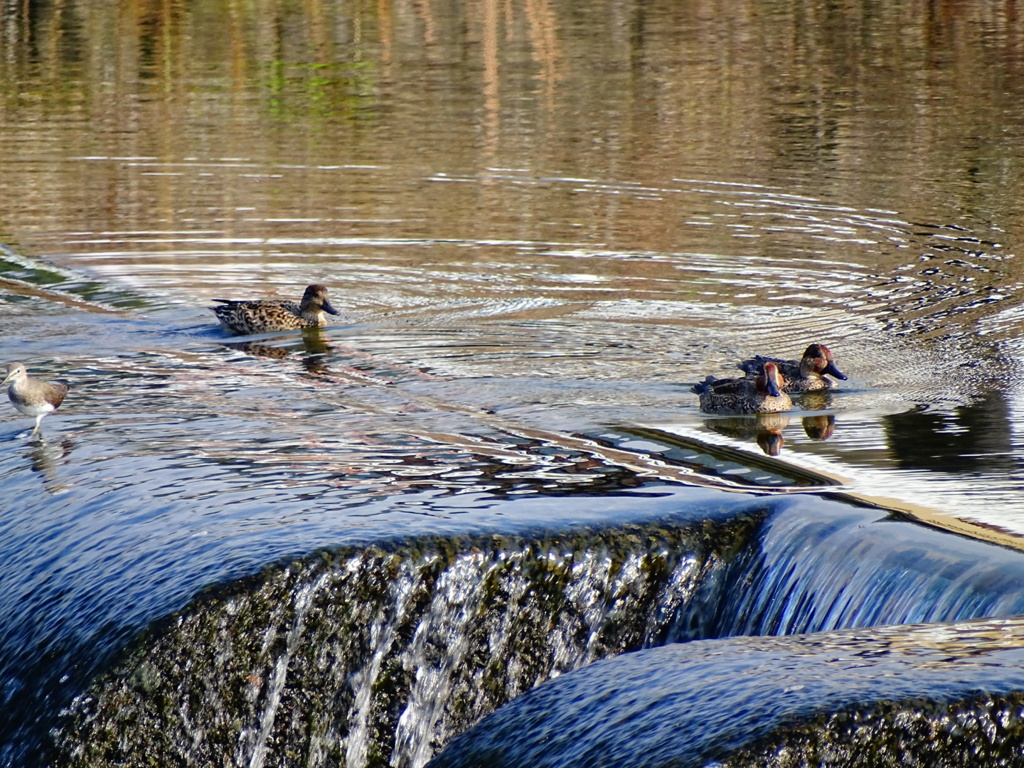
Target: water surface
{"points": [[542, 222]]}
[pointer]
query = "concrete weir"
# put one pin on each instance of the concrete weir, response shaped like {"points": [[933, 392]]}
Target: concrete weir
{"points": [[943, 696], [375, 656], [740, 616]]}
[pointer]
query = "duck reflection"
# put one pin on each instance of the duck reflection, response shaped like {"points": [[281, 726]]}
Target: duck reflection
{"points": [[764, 428], [770, 442], [314, 348], [819, 427], [815, 401]]}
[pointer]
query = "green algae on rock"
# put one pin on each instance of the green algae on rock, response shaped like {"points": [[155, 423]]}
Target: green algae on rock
{"points": [[377, 656]]}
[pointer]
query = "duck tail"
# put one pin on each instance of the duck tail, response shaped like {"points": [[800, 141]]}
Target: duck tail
{"points": [[702, 386]]}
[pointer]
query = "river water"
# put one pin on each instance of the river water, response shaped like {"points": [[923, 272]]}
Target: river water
{"points": [[541, 222]]}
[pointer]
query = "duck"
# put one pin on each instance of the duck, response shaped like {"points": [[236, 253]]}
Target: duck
{"points": [[752, 394], [804, 375], [33, 397], [265, 315]]}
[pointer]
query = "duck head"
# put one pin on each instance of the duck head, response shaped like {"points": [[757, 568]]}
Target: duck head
{"points": [[315, 298], [771, 380], [818, 359]]}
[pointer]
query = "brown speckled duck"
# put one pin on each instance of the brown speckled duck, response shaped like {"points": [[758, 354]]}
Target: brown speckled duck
{"points": [[756, 394], [263, 316], [804, 375]]}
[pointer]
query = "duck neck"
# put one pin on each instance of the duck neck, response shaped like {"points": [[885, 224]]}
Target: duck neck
{"points": [[314, 316]]}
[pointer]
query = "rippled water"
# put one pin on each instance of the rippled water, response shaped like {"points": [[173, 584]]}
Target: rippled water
{"points": [[541, 221], [442, 336], [724, 698]]}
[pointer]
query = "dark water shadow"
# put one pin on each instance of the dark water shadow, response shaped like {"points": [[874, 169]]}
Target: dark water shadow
{"points": [[972, 439]]}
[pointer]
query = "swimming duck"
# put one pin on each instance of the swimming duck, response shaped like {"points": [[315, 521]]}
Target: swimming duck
{"points": [[33, 397], [266, 315], [804, 375], [758, 394]]}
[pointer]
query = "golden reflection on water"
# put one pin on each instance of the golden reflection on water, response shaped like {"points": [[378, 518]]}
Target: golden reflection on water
{"points": [[833, 104]]}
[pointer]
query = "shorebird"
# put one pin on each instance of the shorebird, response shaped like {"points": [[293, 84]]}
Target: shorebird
{"points": [[33, 397], [763, 394], [265, 315]]}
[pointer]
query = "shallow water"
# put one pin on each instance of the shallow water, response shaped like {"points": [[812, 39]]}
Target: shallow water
{"points": [[541, 221]]}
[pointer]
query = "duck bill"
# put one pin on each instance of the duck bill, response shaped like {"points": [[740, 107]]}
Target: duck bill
{"points": [[326, 307], [772, 386], [831, 370]]}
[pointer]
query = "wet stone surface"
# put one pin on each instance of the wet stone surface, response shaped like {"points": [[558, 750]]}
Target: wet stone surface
{"points": [[367, 657], [918, 695]]}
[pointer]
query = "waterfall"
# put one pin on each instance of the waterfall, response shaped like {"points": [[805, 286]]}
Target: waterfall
{"points": [[380, 655], [368, 657], [813, 572], [936, 695]]}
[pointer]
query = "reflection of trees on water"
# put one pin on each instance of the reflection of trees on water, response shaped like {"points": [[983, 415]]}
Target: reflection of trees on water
{"points": [[519, 85], [974, 438]]}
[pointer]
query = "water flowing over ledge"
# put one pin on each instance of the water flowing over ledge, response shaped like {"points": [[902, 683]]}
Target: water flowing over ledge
{"points": [[944, 696], [380, 655], [362, 657]]}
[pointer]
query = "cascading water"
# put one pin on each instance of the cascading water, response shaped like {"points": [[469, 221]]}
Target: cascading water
{"points": [[380, 656], [917, 696], [812, 573]]}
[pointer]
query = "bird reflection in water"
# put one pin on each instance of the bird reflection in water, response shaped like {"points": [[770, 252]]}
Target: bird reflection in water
{"points": [[315, 350], [770, 441], [819, 427], [815, 401], [766, 429], [45, 458]]}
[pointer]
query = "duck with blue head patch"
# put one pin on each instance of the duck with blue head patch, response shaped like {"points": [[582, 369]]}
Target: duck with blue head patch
{"points": [[266, 315], [804, 375], [753, 394]]}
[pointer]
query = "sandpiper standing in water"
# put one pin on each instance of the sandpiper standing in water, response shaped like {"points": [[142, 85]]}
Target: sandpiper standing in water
{"points": [[265, 315], [33, 397]]}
